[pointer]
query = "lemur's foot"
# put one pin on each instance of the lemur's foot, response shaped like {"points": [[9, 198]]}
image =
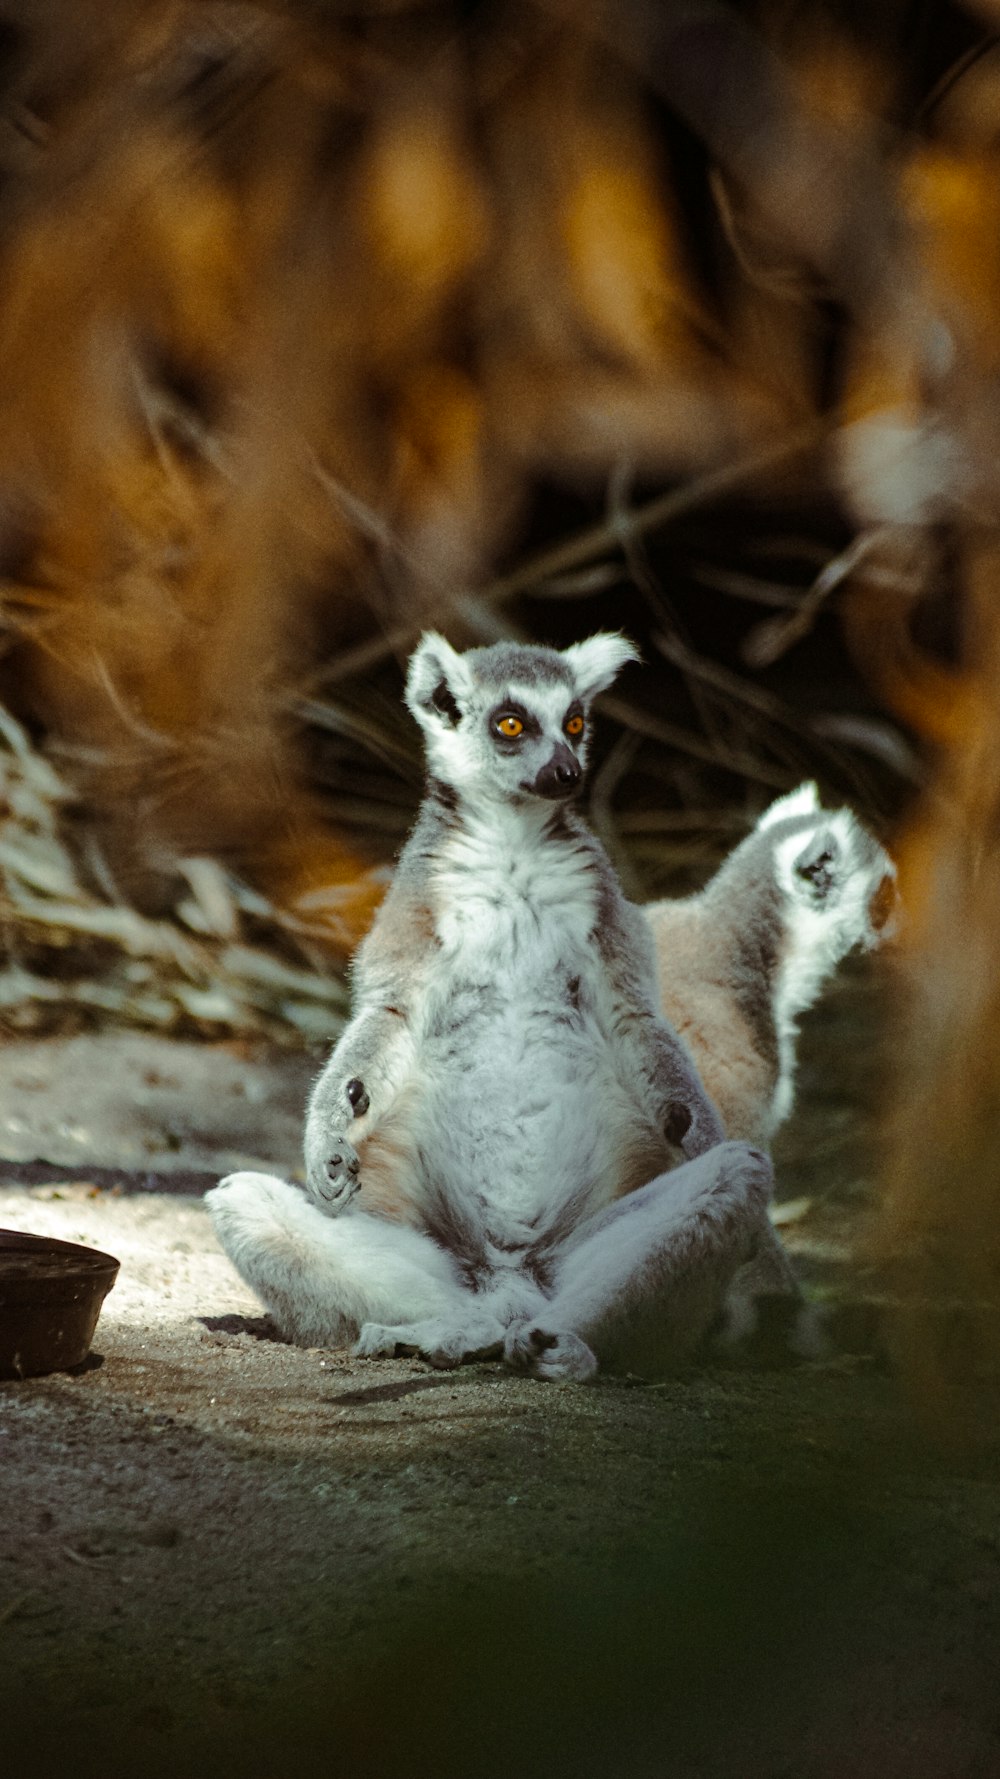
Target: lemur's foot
{"points": [[257, 1219], [247, 1205], [336, 1179], [442, 1343], [548, 1354], [770, 1329]]}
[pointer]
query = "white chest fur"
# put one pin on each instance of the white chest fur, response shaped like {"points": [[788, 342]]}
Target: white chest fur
{"points": [[518, 1095], [505, 892]]}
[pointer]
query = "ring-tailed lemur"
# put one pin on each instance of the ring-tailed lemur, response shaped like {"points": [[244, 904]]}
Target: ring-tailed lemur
{"points": [[509, 1149], [740, 961], [736, 966]]}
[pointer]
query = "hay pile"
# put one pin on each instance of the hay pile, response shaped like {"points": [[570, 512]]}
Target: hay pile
{"points": [[224, 964]]}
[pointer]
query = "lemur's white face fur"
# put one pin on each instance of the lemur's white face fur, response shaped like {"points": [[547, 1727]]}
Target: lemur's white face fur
{"points": [[510, 723], [838, 889], [838, 884]]}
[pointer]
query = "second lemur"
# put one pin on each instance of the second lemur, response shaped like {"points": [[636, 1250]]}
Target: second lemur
{"points": [[737, 964], [740, 961]]}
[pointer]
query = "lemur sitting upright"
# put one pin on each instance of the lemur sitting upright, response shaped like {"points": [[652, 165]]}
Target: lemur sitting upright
{"points": [[509, 1149]]}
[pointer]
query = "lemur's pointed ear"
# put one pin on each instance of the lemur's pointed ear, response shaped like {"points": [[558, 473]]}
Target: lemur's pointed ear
{"points": [[817, 866], [596, 662], [435, 682], [804, 801]]}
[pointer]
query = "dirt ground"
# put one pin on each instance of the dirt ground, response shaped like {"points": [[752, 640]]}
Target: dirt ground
{"points": [[221, 1554]]}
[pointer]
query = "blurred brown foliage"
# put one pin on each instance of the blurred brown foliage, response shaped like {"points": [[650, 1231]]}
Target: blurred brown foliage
{"points": [[298, 299], [293, 305]]}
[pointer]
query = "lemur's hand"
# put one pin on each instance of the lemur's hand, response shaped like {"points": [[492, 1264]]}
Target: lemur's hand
{"points": [[334, 1177], [332, 1164]]}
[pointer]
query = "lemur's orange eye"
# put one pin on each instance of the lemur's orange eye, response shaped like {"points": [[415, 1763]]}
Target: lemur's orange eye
{"points": [[509, 725], [574, 725]]}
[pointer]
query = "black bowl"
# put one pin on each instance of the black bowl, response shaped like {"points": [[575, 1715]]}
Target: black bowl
{"points": [[50, 1298]]}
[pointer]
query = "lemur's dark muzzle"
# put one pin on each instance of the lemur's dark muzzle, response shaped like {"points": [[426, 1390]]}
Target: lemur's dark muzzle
{"points": [[559, 776]]}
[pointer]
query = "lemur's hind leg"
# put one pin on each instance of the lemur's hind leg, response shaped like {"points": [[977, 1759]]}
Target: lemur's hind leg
{"points": [[765, 1318], [640, 1285], [321, 1278]]}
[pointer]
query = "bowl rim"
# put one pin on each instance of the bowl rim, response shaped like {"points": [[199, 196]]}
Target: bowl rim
{"points": [[15, 1241]]}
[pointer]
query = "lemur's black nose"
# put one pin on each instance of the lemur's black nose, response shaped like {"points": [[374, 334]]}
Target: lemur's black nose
{"points": [[560, 775]]}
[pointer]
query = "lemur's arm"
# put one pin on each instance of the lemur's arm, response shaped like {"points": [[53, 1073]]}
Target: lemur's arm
{"points": [[362, 1073], [375, 1054], [687, 1116]]}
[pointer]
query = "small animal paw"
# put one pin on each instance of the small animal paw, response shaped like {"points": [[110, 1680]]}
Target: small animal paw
{"points": [[548, 1354], [335, 1180], [378, 1341], [443, 1344], [770, 1329], [250, 1213]]}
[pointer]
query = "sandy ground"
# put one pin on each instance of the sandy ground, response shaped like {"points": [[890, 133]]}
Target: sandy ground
{"points": [[219, 1553]]}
